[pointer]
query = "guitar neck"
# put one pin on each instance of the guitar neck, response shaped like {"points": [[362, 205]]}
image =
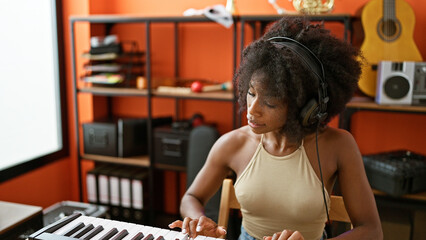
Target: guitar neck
{"points": [[389, 10]]}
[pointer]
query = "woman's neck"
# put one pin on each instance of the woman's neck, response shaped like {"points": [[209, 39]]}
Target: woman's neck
{"points": [[278, 144]]}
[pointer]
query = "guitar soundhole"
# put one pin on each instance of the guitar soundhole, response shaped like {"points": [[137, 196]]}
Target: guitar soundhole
{"points": [[389, 30]]}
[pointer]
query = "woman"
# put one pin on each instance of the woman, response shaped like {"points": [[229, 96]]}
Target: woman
{"points": [[291, 81]]}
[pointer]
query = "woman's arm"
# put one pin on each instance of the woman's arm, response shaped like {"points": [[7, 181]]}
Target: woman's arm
{"points": [[356, 191], [205, 185]]}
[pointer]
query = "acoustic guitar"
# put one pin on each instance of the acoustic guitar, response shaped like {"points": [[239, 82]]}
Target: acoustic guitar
{"points": [[388, 28]]}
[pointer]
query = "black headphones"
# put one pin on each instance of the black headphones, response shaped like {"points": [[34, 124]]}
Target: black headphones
{"points": [[314, 111]]}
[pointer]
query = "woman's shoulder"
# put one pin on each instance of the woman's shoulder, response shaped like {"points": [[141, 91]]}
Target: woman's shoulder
{"points": [[337, 136], [341, 143], [236, 148], [239, 137]]}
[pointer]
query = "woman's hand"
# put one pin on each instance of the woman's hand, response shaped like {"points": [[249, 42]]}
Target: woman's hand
{"points": [[202, 226], [285, 235]]}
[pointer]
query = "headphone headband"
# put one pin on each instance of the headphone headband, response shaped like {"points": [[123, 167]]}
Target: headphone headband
{"points": [[312, 62]]}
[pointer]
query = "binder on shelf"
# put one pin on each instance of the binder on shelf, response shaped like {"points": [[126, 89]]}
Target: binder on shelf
{"points": [[93, 185], [138, 195], [114, 190], [103, 184], [126, 195]]}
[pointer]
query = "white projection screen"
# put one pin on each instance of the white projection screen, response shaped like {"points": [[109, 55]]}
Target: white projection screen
{"points": [[31, 123]]}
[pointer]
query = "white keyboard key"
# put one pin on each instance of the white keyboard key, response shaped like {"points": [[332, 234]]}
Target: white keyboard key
{"points": [[171, 235], [199, 237]]}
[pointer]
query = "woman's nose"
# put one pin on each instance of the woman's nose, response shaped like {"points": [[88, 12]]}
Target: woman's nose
{"points": [[254, 108]]}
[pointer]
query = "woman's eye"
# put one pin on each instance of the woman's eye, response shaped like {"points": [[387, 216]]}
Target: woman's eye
{"points": [[269, 105], [250, 94]]}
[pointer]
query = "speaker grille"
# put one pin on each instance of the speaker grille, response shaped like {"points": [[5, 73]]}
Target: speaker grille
{"points": [[396, 87]]}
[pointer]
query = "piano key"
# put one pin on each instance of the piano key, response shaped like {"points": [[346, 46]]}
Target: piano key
{"points": [[108, 235], [200, 237], [82, 231], [97, 226], [147, 230], [138, 236], [160, 234], [82, 219], [68, 227], [74, 229], [55, 226], [149, 237], [133, 231], [182, 236], [97, 229], [170, 235], [92, 233], [121, 235], [109, 231]]}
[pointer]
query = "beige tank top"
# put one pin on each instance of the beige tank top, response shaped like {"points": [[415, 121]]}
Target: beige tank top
{"points": [[277, 193]]}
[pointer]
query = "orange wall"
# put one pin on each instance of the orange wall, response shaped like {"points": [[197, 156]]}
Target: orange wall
{"points": [[58, 181]]}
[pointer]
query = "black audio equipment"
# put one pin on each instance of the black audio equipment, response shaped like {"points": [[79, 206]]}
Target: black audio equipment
{"points": [[419, 91], [123, 137], [171, 145], [396, 172]]}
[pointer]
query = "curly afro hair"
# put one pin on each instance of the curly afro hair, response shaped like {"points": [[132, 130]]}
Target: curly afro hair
{"points": [[293, 82]]}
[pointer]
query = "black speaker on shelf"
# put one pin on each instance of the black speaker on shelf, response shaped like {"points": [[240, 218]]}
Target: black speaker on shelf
{"points": [[122, 137]]}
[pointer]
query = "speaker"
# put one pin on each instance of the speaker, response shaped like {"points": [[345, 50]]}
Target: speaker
{"points": [[395, 82], [419, 90]]}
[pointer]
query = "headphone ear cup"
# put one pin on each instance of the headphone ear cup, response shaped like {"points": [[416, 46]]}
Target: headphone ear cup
{"points": [[309, 112]]}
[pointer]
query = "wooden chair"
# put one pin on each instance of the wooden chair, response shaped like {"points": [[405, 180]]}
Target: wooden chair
{"points": [[229, 201]]}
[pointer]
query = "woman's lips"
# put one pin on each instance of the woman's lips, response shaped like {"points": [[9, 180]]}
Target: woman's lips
{"points": [[254, 124]]}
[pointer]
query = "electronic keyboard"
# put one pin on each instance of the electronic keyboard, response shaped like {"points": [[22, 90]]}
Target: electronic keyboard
{"points": [[79, 226]]}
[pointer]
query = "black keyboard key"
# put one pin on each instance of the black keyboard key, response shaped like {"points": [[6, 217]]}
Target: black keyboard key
{"points": [[121, 235], [56, 225], [74, 229], [149, 237], [92, 233], [138, 236], [109, 234], [83, 231]]}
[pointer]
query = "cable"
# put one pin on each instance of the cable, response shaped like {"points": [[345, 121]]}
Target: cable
{"points": [[322, 180]]}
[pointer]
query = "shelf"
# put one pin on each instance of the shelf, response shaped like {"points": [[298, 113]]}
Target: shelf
{"points": [[413, 196], [218, 96], [128, 18], [315, 17], [369, 105], [169, 167], [141, 161], [111, 91], [360, 104]]}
